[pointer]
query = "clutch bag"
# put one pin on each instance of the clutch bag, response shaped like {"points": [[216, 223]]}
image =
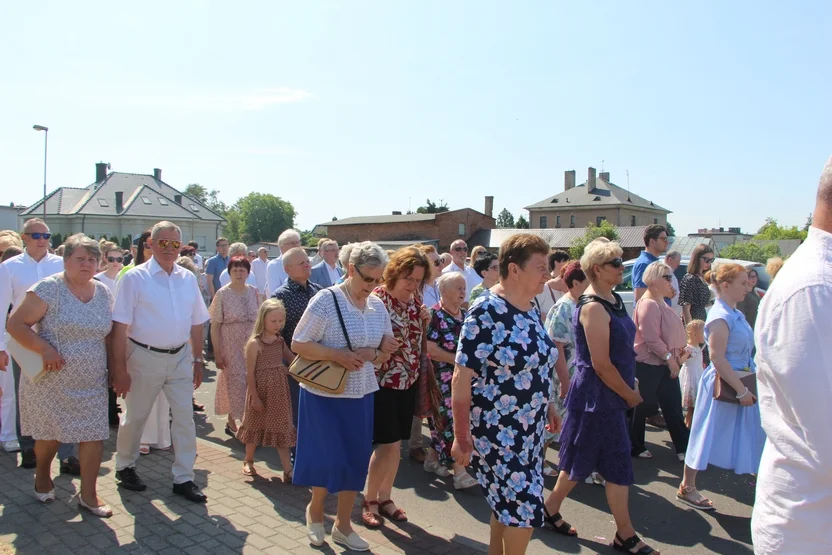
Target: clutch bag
{"points": [[724, 392]]}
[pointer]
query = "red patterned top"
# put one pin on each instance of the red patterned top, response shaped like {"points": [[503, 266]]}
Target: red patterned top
{"points": [[401, 371]]}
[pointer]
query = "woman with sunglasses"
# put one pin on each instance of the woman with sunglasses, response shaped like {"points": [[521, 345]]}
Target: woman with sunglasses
{"points": [[659, 345], [112, 264], [595, 436], [143, 253], [694, 293]]}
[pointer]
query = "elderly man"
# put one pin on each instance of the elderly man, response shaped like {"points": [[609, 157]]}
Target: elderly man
{"points": [[794, 379], [275, 273], [258, 268], [295, 294], [17, 275], [237, 249], [459, 251], [159, 310], [327, 273], [673, 259], [445, 260]]}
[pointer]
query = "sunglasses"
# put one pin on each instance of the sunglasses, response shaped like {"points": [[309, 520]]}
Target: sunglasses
{"points": [[668, 277], [615, 263], [461, 249], [118, 259], [168, 243], [708, 259], [436, 262], [368, 279], [39, 235]]}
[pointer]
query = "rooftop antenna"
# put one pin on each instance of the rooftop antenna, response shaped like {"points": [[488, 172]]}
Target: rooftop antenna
{"points": [[628, 185], [602, 165]]}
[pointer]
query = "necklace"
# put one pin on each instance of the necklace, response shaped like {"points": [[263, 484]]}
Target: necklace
{"points": [[348, 293], [448, 312]]}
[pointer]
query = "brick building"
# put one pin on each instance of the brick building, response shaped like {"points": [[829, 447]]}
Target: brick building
{"points": [[440, 229]]}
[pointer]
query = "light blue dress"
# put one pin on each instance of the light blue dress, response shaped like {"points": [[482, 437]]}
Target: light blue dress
{"points": [[726, 435]]}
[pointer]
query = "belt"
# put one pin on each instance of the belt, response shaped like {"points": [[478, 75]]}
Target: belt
{"points": [[157, 350]]}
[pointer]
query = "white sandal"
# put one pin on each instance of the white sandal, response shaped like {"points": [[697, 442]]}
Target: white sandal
{"points": [[102, 511], [47, 497], [464, 481], [437, 468]]}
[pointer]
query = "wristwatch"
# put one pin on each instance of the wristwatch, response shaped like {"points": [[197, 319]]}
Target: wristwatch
{"points": [[668, 356], [199, 360]]}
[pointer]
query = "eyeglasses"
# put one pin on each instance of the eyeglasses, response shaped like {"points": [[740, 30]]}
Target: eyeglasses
{"points": [[436, 262], [615, 263], [708, 259], [368, 279], [37, 235], [168, 243], [668, 277], [118, 259], [461, 249], [412, 281]]}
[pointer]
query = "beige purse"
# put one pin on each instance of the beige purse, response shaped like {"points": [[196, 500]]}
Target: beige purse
{"points": [[323, 375]]}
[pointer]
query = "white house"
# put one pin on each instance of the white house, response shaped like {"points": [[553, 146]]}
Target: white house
{"points": [[124, 205]]}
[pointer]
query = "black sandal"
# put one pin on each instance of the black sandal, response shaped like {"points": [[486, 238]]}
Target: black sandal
{"points": [[565, 528], [626, 546]]}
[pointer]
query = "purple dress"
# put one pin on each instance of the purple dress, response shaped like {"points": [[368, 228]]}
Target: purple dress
{"points": [[595, 435]]}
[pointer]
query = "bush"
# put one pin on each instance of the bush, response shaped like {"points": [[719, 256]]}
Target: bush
{"points": [[606, 229], [750, 251]]}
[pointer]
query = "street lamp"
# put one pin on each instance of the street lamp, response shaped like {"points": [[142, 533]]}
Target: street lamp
{"points": [[45, 144]]}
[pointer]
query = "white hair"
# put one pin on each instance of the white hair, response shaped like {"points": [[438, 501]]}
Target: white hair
{"points": [[164, 226], [446, 280], [237, 249], [287, 235], [368, 254]]}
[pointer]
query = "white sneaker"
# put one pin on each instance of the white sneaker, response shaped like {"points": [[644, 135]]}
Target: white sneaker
{"points": [[354, 542], [315, 532], [12, 446]]}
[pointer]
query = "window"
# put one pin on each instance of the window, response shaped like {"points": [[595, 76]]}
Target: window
{"points": [[103, 203], [146, 200], [544, 222], [194, 207], [627, 280], [202, 240], [599, 219], [163, 201], [632, 220], [462, 230], [655, 220], [572, 221], [557, 221]]}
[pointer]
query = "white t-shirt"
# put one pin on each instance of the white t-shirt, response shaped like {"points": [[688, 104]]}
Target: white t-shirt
{"points": [[110, 283]]}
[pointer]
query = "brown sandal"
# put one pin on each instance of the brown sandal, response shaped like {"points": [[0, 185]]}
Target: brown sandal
{"points": [[248, 468], [396, 516], [691, 496], [370, 519]]}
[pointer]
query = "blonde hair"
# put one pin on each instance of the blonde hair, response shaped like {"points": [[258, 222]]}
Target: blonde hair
{"points": [[654, 271], [773, 266], [260, 323], [693, 327], [476, 252], [596, 253], [14, 236]]}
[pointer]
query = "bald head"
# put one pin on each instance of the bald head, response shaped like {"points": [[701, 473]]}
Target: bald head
{"points": [[297, 265], [293, 256]]}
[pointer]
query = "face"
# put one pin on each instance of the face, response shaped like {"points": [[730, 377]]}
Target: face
{"points": [[290, 244], [263, 254], [453, 294], [660, 243], [705, 261], [330, 253], [578, 287], [165, 247], [435, 264], [114, 259], [752, 280], [408, 285], [492, 274], [532, 277], [274, 321], [222, 248], [238, 273], [611, 271], [558, 267], [364, 279], [698, 336], [81, 265], [298, 268], [459, 252], [663, 285], [673, 262], [36, 239], [251, 256], [737, 289]]}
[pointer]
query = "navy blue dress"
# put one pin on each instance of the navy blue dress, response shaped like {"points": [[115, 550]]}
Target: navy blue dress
{"points": [[595, 434], [513, 358]]}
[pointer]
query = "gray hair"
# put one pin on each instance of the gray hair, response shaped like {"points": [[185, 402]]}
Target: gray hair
{"points": [[164, 226], [33, 221], [237, 249], [445, 280], [81, 241], [188, 264], [344, 254], [673, 255], [287, 235], [368, 254], [261, 249]]}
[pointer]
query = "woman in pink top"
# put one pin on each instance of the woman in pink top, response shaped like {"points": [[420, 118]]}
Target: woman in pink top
{"points": [[659, 346]]}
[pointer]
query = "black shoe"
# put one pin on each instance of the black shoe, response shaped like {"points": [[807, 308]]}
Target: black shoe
{"points": [[129, 479], [189, 491], [27, 459], [71, 465]]}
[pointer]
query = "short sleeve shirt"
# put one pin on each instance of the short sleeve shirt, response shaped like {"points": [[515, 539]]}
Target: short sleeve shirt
{"points": [[295, 298], [401, 371]]}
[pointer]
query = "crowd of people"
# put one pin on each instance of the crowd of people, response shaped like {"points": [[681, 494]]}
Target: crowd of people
{"points": [[504, 356]]}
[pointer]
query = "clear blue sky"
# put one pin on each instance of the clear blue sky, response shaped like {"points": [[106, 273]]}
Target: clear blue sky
{"points": [[720, 110]]}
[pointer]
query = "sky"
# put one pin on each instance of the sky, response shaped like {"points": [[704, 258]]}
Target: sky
{"points": [[719, 111]]}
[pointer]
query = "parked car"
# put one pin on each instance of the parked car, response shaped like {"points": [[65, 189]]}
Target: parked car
{"points": [[625, 288]]}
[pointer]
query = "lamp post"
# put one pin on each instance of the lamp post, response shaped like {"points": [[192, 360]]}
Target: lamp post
{"points": [[45, 144]]}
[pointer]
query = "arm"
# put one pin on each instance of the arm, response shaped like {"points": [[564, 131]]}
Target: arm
{"points": [[118, 359], [216, 331], [196, 349], [461, 408], [638, 292], [596, 324], [316, 351], [19, 326], [686, 317], [5, 301], [561, 370], [717, 342], [650, 326], [439, 354], [252, 350]]}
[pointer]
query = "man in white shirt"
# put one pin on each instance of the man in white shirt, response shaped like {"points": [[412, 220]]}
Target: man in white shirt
{"points": [[197, 257], [156, 346], [17, 275], [793, 507], [237, 249], [258, 268], [673, 259], [459, 251], [327, 273], [275, 274]]}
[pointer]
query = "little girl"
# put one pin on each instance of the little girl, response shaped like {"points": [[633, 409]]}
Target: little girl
{"points": [[692, 368], [267, 419]]}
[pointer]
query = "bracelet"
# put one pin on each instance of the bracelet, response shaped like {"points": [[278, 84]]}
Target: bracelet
{"points": [[375, 357], [744, 393]]}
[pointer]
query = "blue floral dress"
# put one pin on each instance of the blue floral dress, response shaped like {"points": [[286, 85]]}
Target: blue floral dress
{"points": [[559, 327], [513, 358]]}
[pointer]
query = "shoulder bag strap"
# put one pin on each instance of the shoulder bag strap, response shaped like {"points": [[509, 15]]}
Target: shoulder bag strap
{"points": [[341, 319]]}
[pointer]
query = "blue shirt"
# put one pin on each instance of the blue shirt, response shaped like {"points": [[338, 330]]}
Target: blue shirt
{"points": [[295, 297], [643, 260], [215, 265]]}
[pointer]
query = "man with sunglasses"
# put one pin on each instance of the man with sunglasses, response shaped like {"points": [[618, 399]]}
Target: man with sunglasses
{"points": [[157, 346], [459, 252], [17, 275], [655, 243]]}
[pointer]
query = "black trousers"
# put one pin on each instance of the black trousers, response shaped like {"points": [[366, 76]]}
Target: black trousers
{"points": [[658, 389]]}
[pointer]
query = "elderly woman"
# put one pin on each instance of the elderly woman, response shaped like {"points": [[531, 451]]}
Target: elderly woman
{"points": [[724, 434], [112, 261], [659, 344], [241, 250], [500, 394], [67, 403], [443, 339], [595, 434], [344, 259], [487, 267], [233, 312], [335, 432], [395, 401]]}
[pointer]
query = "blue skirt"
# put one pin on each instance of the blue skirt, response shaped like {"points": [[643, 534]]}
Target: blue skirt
{"points": [[335, 441], [597, 442]]}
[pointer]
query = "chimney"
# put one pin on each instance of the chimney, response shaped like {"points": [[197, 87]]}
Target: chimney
{"points": [[605, 176], [119, 202], [101, 171], [397, 212], [568, 179], [177, 199], [590, 180], [157, 173], [489, 207]]}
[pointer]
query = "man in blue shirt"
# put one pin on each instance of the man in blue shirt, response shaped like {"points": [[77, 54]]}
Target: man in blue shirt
{"points": [[213, 269], [655, 243]]}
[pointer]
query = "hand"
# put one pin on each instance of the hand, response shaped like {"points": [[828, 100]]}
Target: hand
{"points": [[634, 399], [389, 345], [674, 368], [52, 360], [4, 360], [121, 384], [256, 403], [748, 399], [198, 368], [349, 360], [219, 360], [461, 450], [554, 420], [564, 389], [382, 359], [424, 314]]}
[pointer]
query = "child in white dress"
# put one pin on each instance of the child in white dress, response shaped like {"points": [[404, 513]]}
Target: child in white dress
{"points": [[692, 368]]}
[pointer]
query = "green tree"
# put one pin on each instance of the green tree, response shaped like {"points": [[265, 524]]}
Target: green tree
{"points": [[57, 240], [232, 228], [671, 232], [263, 216], [307, 239], [522, 223], [432, 207], [208, 198], [114, 239], [750, 251], [505, 219], [772, 231], [127, 242], [606, 229], [808, 223]]}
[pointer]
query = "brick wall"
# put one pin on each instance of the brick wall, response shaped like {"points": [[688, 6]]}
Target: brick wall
{"points": [[448, 224]]}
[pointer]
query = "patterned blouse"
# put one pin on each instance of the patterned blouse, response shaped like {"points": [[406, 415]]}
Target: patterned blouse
{"points": [[695, 292], [401, 371]]}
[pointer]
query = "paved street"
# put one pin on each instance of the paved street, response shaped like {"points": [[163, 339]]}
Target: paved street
{"points": [[263, 515]]}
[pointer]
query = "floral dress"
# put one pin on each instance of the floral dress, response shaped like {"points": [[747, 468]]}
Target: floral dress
{"points": [[513, 360], [444, 330], [402, 370], [560, 329]]}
